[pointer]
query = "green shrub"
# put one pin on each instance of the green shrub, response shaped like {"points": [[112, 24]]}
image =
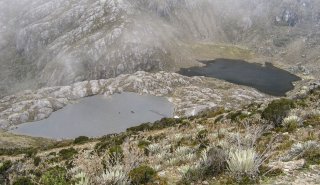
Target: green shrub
{"points": [[17, 151], [31, 153], [23, 181], [67, 153], [55, 176], [142, 127], [165, 123], [142, 175], [36, 161], [80, 140], [277, 110], [143, 143], [109, 141], [115, 154], [211, 113], [238, 115], [5, 166], [157, 125], [201, 135]]}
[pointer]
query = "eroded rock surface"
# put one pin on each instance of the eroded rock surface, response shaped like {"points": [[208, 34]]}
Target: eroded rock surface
{"points": [[189, 95]]}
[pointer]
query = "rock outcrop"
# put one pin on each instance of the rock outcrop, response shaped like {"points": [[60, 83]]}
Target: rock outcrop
{"points": [[189, 95]]}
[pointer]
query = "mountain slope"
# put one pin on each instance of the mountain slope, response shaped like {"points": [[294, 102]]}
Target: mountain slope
{"points": [[58, 42]]}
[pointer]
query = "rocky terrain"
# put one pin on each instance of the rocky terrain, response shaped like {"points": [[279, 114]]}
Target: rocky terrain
{"points": [[59, 42], [189, 95]]}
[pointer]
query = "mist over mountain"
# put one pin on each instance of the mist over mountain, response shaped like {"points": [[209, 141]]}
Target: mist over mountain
{"points": [[58, 42]]}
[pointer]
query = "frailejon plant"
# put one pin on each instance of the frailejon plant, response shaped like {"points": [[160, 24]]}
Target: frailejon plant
{"points": [[291, 123], [116, 175], [183, 151], [307, 150], [153, 148], [116, 172], [244, 163]]}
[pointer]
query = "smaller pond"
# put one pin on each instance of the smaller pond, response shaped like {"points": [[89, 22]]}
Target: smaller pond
{"points": [[267, 79], [99, 115]]}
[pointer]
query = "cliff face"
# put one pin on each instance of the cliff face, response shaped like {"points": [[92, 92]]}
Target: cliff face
{"points": [[58, 42]]}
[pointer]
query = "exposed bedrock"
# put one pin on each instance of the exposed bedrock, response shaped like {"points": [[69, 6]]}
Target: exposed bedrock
{"points": [[188, 95], [59, 42]]}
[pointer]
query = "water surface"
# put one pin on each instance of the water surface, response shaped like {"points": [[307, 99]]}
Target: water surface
{"points": [[267, 79], [99, 115]]}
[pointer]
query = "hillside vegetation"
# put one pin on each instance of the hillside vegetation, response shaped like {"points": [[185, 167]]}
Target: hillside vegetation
{"points": [[272, 143]]}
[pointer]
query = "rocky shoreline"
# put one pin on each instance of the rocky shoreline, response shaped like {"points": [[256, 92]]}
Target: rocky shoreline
{"points": [[189, 95]]}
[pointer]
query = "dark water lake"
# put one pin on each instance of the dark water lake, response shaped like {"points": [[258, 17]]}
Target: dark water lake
{"points": [[99, 115], [267, 79]]}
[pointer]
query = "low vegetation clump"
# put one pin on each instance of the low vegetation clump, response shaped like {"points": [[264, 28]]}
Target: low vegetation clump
{"points": [[55, 175], [202, 139], [81, 140], [4, 166], [66, 154], [277, 110], [312, 156], [23, 181], [115, 154], [17, 151], [36, 161], [109, 141], [212, 113], [143, 143], [161, 124], [142, 175], [237, 116]]}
